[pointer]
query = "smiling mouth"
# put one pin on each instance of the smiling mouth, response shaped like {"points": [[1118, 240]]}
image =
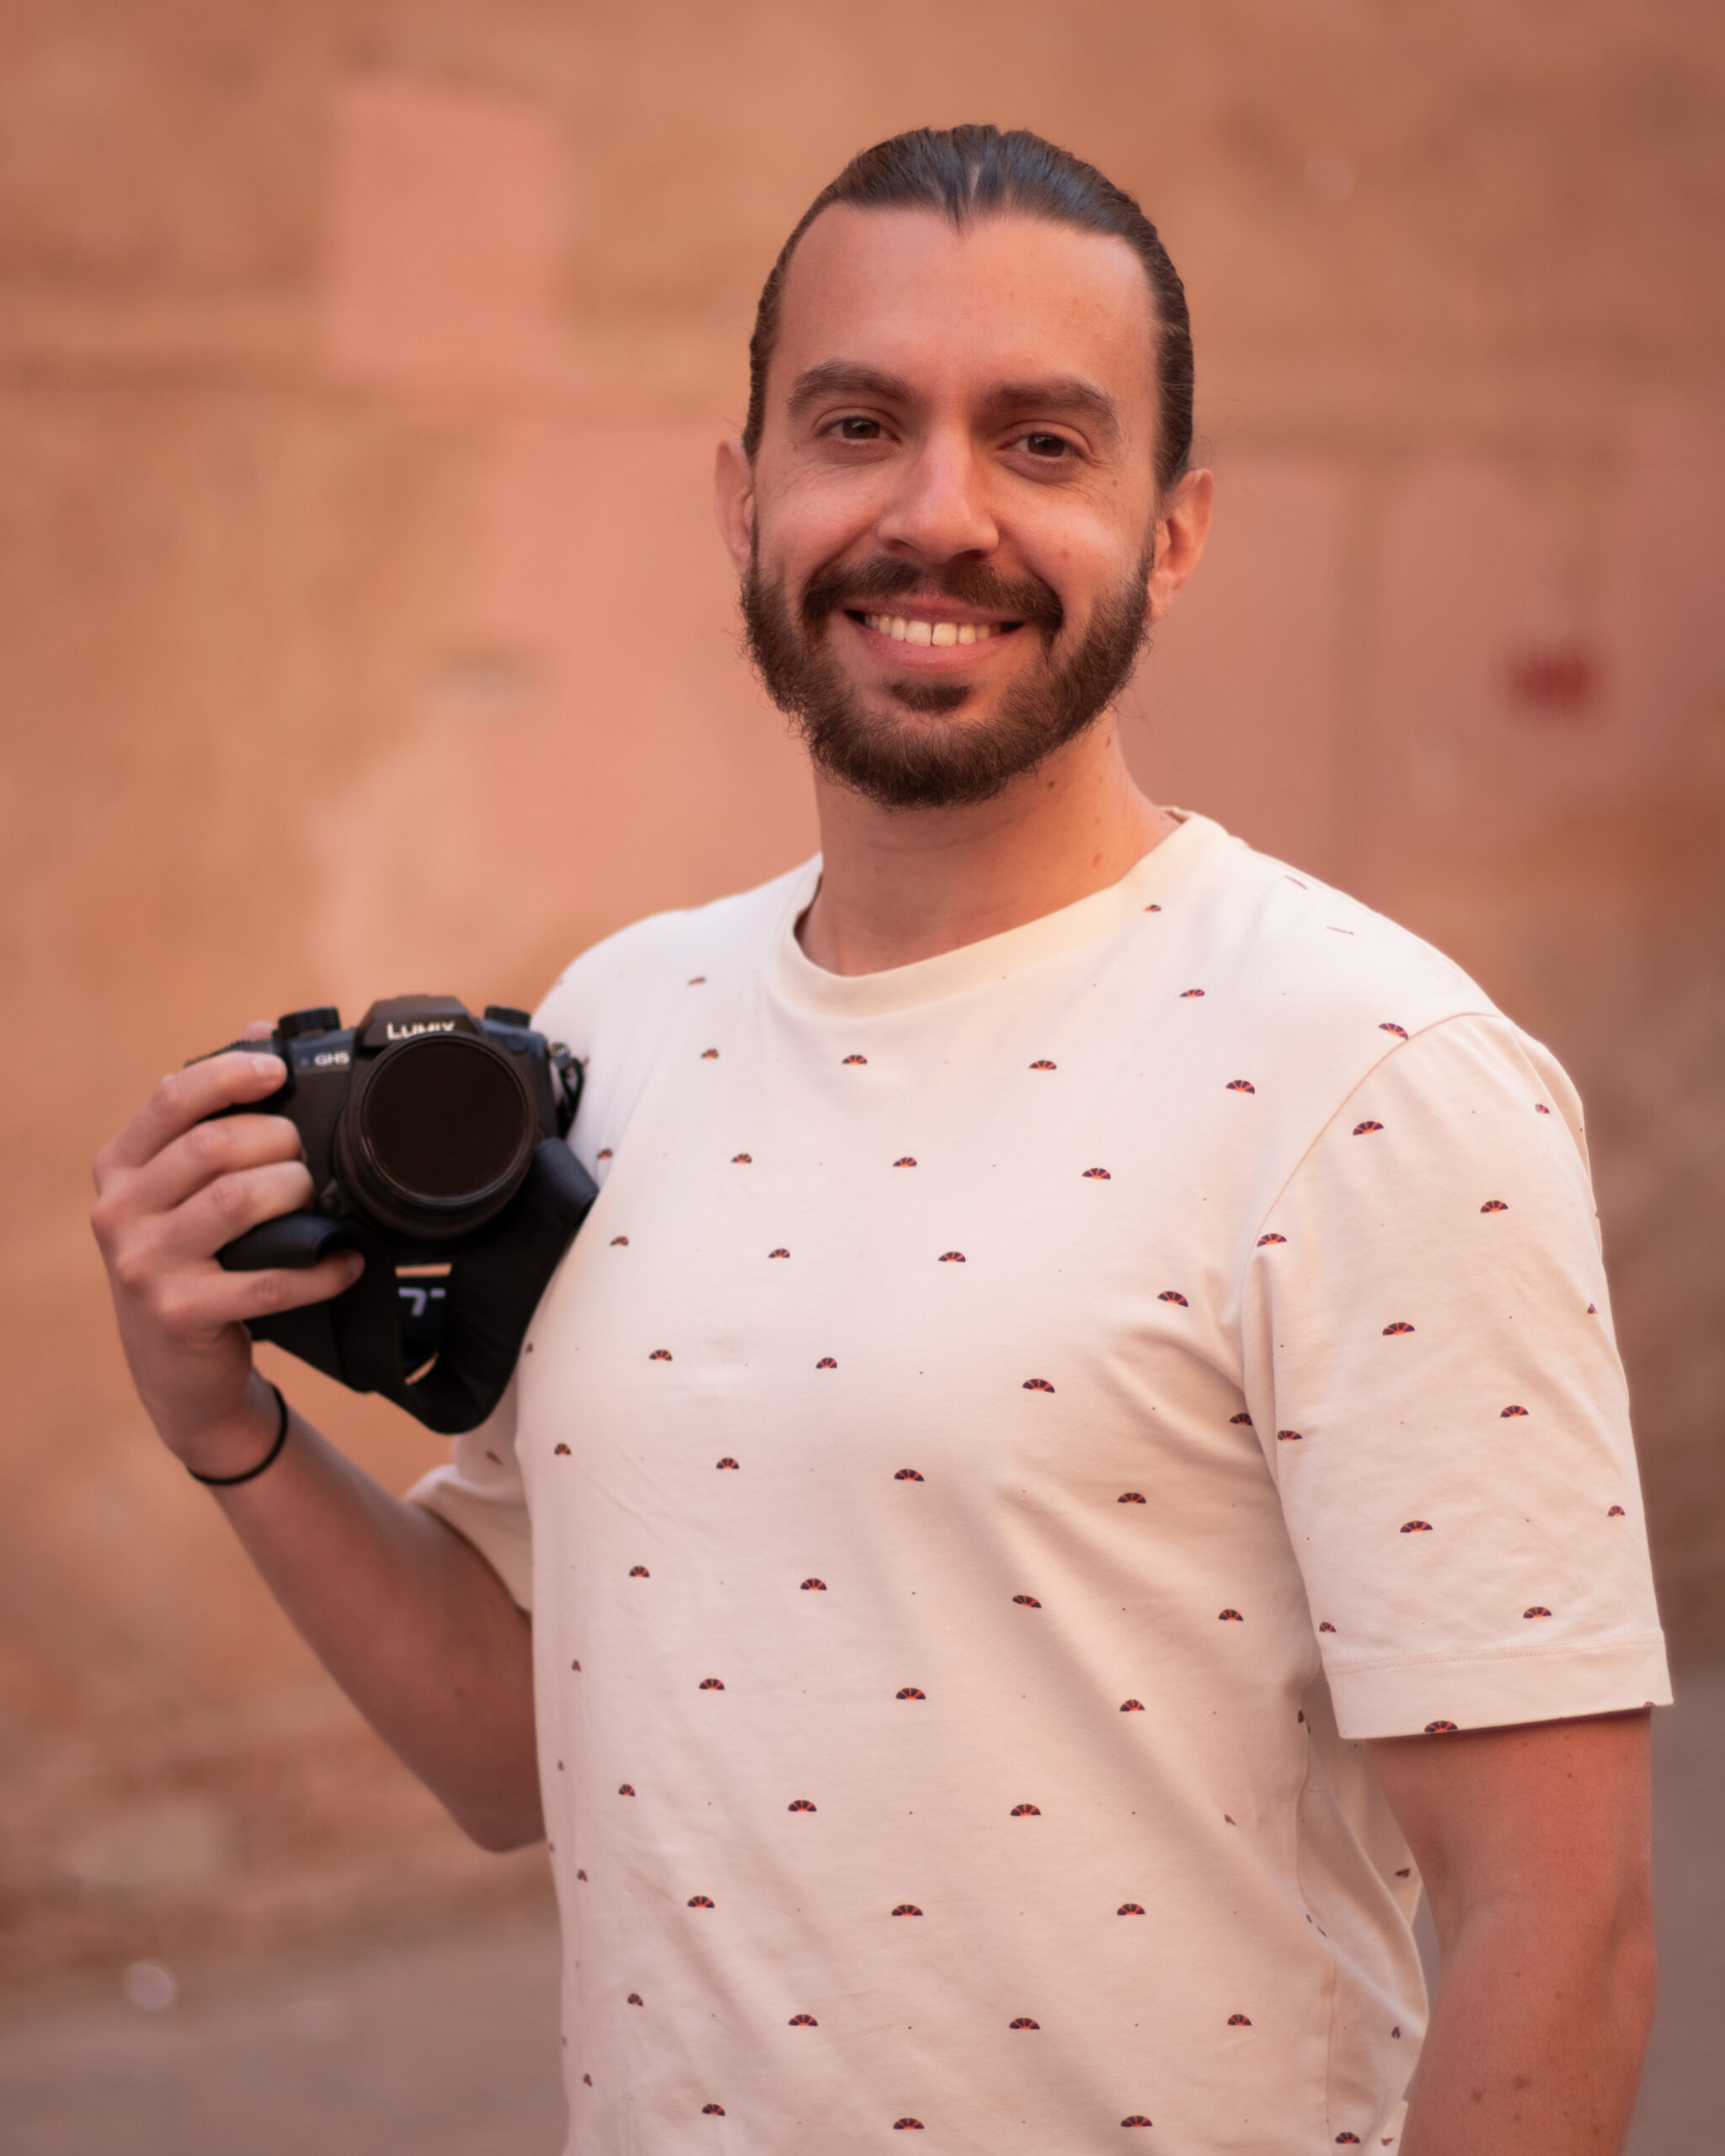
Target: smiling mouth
{"points": [[910, 628]]}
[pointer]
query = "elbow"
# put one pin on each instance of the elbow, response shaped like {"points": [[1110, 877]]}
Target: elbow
{"points": [[499, 1830]]}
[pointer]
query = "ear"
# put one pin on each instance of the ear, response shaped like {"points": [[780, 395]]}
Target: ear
{"points": [[733, 502], [1182, 527]]}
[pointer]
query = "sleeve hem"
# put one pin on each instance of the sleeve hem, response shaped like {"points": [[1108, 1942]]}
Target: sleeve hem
{"points": [[499, 1537], [1420, 1697]]}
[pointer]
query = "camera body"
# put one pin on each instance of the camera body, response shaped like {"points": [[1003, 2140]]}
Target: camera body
{"points": [[435, 1144]]}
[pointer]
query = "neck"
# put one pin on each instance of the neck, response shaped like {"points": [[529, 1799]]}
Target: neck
{"points": [[902, 884]]}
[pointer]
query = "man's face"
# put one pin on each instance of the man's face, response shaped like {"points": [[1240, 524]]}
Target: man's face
{"points": [[954, 501]]}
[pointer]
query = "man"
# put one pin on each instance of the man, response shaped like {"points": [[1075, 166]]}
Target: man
{"points": [[1078, 1458]]}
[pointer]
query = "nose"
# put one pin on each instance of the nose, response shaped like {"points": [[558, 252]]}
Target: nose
{"points": [[939, 509]]}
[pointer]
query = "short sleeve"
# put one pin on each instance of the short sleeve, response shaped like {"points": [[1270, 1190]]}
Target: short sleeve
{"points": [[1430, 1366], [479, 1494]]}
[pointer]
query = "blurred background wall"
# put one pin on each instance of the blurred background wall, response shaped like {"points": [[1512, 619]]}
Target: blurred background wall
{"points": [[363, 629]]}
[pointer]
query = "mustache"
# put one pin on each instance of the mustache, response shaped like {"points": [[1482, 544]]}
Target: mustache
{"points": [[851, 587]]}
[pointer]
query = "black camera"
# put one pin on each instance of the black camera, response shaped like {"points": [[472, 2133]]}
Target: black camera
{"points": [[436, 1144]]}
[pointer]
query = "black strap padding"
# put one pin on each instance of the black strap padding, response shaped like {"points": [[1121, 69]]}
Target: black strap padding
{"points": [[495, 1282]]}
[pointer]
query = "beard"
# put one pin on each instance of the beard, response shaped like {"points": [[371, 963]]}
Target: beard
{"points": [[933, 759]]}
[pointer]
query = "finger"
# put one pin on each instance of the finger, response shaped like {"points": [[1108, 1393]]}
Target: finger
{"points": [[256, 1029], [205, 1302], [240, 1296], [229, 1146], [228, 1206], [186, 1096]]}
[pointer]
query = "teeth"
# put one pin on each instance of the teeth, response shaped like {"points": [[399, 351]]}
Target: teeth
{"points": [[903, 629]]}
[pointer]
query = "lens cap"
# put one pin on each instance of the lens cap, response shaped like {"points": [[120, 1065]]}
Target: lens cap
{"points": [[437, 1133]]}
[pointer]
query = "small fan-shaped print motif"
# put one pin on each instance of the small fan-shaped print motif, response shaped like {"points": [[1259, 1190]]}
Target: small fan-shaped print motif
{"points": [[826, 1362], [1129, 1909], [712, 2110], [742, 1160], [1400, 1325], [1539, 1609], [659, 1355], [910, 1691], [1042, 1063], [576, 1666], [905, 1160], [1540, 1109], [1131, 1707], [814, 1587], [1592, 1310], [952, 1257], [711, 1684], [1024, 2021], [634, 1999], [856, 1059], [700, 1902], [1135, 2118], [1187, 994], [1131, 1498], [1239, 2022], [1173, 1295], [619, 1242], [604, 1153], [580, 1874], [1617, 1511], [1241, 1086], [1229, 1617], [1264, 1242], [1494, 1205], [1243, 1419], [799, 1804], [640, 1572], [803, 2021], [1389, 1026], [709, 1055], [1441, 1728], [1037, 1385], [1152, 908], [1347, 2140], [907, 1475], [1327, 1626], [560, 1452], [909, 2126], [1505, 1414], [1098, 1175], [1027, 1601], [1290, 1437], [1416, 1527], [780, 1252], [907, 1909], [696, 980], [726, 1462], [1365, 1129], [1025, 1811], [626, 1789]]}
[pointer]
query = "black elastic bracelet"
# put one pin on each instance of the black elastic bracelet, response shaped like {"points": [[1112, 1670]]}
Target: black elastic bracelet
{"points": [[228, 1481]]}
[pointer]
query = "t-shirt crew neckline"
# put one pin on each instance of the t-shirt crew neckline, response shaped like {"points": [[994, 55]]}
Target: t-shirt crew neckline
{"points": [[994, 958]]}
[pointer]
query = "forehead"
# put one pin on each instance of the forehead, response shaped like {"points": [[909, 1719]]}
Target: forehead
{"points": [[950, 310]]}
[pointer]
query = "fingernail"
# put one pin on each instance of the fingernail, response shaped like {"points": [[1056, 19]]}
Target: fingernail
{"points": [[269, 1066]]}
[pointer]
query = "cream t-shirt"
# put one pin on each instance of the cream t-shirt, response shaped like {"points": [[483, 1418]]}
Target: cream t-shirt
{"points": [[1008, 1428]]}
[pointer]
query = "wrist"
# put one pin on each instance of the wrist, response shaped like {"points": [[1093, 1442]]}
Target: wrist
{"points": [[244, 1444]]}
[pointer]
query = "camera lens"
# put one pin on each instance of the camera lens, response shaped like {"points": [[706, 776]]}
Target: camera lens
{"points": [[438, 1134]]}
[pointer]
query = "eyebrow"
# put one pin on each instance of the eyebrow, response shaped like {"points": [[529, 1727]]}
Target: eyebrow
{"points": [[1059, 394]]}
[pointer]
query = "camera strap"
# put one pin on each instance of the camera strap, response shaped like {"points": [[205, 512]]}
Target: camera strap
{"points": [[373, 1337]]}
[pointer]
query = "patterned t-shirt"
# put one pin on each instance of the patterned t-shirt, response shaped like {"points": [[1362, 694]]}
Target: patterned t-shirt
{"points": [[1010, 1426]]}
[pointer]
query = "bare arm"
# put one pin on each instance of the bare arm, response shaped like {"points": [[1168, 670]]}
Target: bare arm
{"points": [[408, 1619], [1533, 1843]]}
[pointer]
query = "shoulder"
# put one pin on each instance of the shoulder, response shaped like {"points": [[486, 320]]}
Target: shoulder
{"points": [[1315, 984], [639, 977]]}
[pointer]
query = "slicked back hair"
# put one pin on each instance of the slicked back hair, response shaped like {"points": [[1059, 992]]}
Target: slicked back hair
{"points": [[967, 173]]}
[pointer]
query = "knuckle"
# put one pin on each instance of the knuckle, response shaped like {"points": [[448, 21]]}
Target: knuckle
{"points": [[230, 1199], [132, 1270]]}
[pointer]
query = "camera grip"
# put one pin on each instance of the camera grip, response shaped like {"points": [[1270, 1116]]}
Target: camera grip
{"points": [[295, 1239]]}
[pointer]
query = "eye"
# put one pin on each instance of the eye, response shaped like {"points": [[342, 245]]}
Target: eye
{"points": [[856, 427], [1048, 448]]}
